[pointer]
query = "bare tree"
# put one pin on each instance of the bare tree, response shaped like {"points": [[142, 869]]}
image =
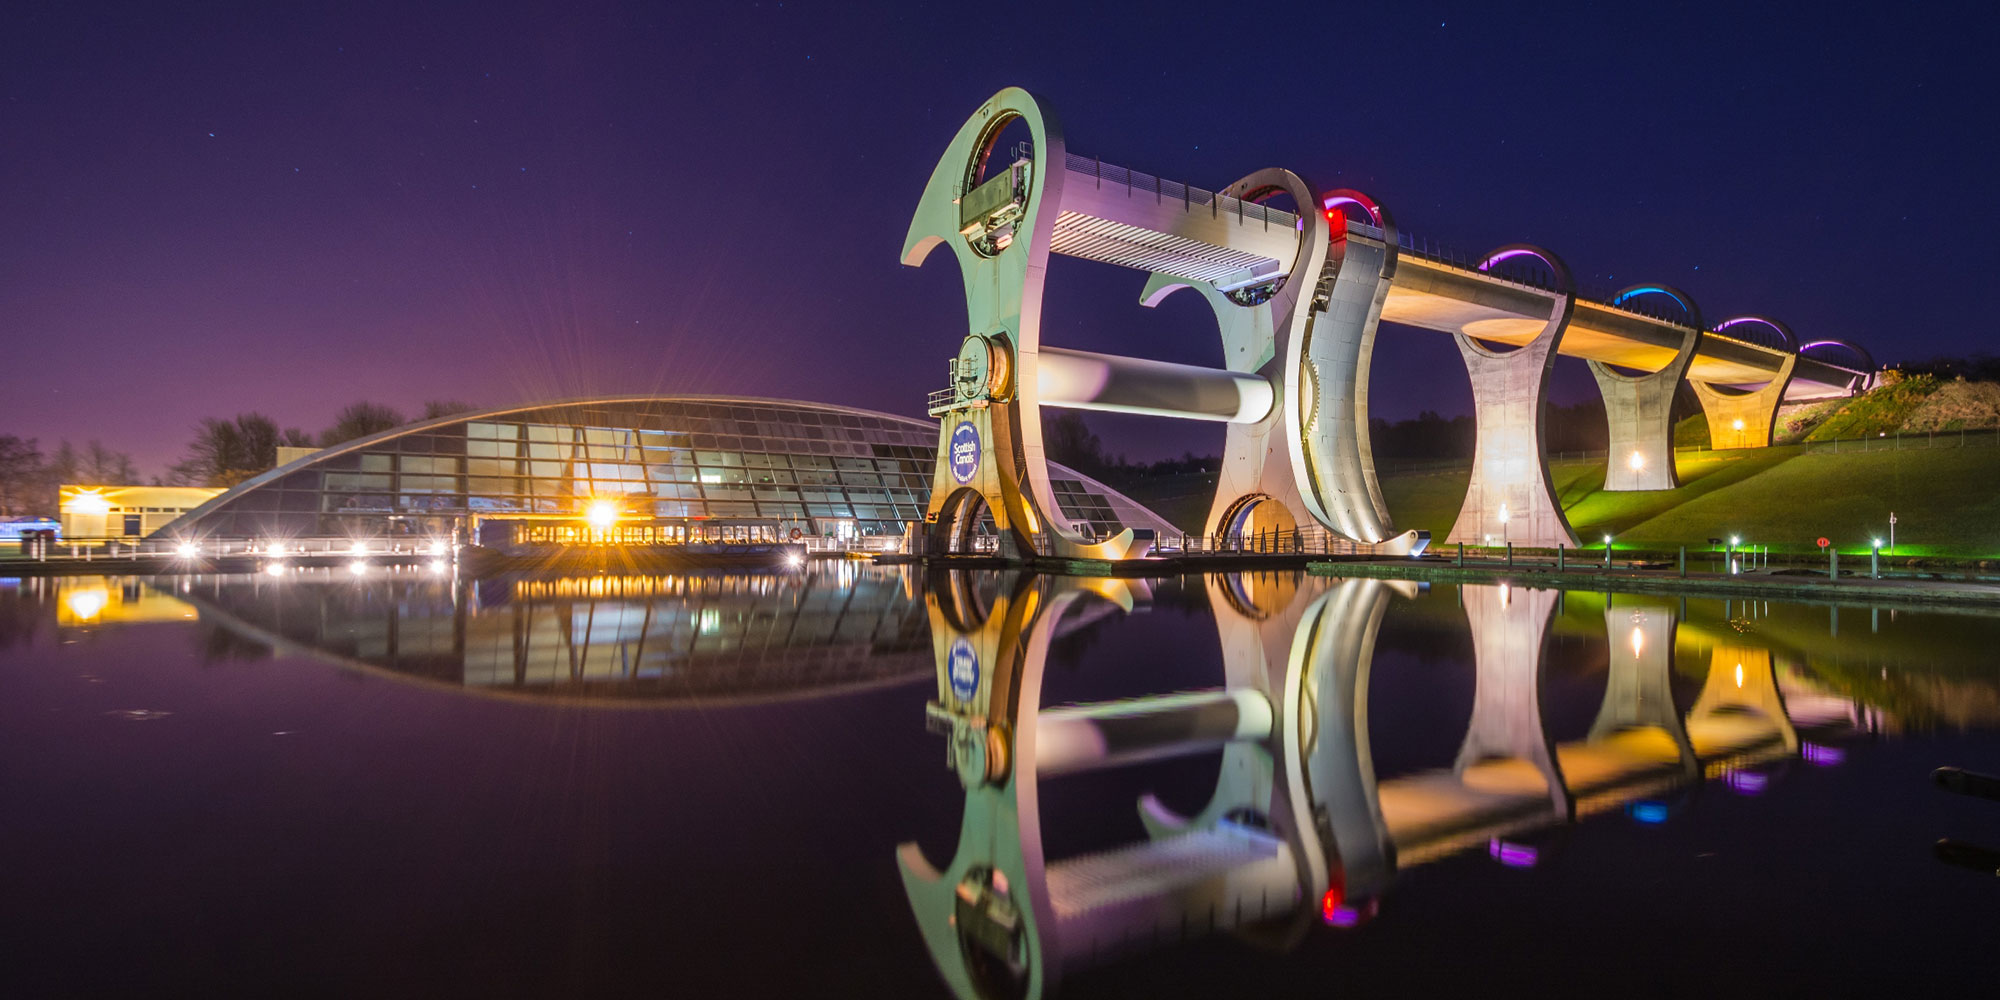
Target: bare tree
{"points": [[22, 475], [359, 420], [102, 465], [436, 408], [226, 452]]}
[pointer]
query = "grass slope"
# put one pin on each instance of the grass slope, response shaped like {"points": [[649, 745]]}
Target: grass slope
{"points": [[1947, 500]]}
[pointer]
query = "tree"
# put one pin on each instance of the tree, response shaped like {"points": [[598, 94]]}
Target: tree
{"points": [[358, 420], [102, 465], [226, 452], [22, 475], [436, 408], [1068, 440]]}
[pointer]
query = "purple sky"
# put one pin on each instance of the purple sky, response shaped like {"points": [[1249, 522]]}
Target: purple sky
{"points": [[286, 210]]}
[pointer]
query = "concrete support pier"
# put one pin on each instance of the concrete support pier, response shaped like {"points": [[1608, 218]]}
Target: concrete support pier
{"points": [[1510, 498], [1506, 744], [1747, 419], [1640, 408], [1638, 689]]}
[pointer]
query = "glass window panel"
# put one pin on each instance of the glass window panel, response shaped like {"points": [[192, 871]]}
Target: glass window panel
{"points": [[492, 448], [428, 484], [492, 486], [492, 466], [349, 481], [377, 463]]}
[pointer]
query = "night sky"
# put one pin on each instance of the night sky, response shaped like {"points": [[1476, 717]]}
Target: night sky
{"points": [[286, 208]]}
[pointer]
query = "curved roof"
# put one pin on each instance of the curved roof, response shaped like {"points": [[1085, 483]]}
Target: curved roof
{"points": [[1125, 506]]}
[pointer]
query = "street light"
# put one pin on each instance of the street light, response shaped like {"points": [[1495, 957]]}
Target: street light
{"points": [[1637, 462], [1503, 524]]}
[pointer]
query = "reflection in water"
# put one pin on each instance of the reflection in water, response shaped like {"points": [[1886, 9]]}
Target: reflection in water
{"points": [[1310, 815], [1300, 828], [676, 637]]}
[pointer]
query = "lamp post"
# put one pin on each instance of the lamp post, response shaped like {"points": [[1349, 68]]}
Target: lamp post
{"points": [[1892, 532], [1875, 559]]}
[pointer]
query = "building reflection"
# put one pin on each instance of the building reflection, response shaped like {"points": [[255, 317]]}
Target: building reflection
{"points": [[1300, 829], [698, 636]]}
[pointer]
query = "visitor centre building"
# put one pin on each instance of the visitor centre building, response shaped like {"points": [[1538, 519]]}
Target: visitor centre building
{"points": [[814, 469]]}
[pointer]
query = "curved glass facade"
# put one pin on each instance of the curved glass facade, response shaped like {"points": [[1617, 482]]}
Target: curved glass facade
{"points": [[809, 466]]}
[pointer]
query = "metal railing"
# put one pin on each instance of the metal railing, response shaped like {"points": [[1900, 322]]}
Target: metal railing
{"points": [[132, 550], [858, 544], [1136, 183]]}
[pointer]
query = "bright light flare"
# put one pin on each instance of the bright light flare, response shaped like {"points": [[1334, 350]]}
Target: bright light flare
{"points": [[794, 559], [274, 569], [437, 566], [274, 548], [90, 504], [1737, 424], [188, 550], [437, 547], [358, 549], [86, 605], [1637, 462], [601, 514], [357, 567]]}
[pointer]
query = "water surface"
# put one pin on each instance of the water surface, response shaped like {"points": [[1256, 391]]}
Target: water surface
{"points": [[399, 783]]}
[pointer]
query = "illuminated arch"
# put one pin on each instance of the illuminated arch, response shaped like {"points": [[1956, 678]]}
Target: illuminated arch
{"points": [[1337, 199], [1565, 287], [1791, 340], [1868, 366], [1683, 299]]}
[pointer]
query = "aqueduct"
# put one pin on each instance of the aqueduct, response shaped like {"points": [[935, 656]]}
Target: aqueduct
{"points": [[1299, 294]]}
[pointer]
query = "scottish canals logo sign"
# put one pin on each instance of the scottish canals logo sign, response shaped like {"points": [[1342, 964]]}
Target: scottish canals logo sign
{"points": [[964, 451], [962, 668]]}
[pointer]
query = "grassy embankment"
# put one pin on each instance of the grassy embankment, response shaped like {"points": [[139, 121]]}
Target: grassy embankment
{"points": [[1946, 500]]}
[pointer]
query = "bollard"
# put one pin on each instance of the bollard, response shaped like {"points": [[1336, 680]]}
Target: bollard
{"points": [[1559, 558], [1510, 555], [1461, 553], [1875, 564], [1832, 563], [1684, 562], [1607, 557]]}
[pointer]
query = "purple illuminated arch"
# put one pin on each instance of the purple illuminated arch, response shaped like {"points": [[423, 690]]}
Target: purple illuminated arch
{"points": [[1784, 332], [1566, 285], [1867, 360], [1348, 196]]}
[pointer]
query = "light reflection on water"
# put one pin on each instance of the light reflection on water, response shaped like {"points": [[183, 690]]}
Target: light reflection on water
{"points": [[1143, 766]]}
